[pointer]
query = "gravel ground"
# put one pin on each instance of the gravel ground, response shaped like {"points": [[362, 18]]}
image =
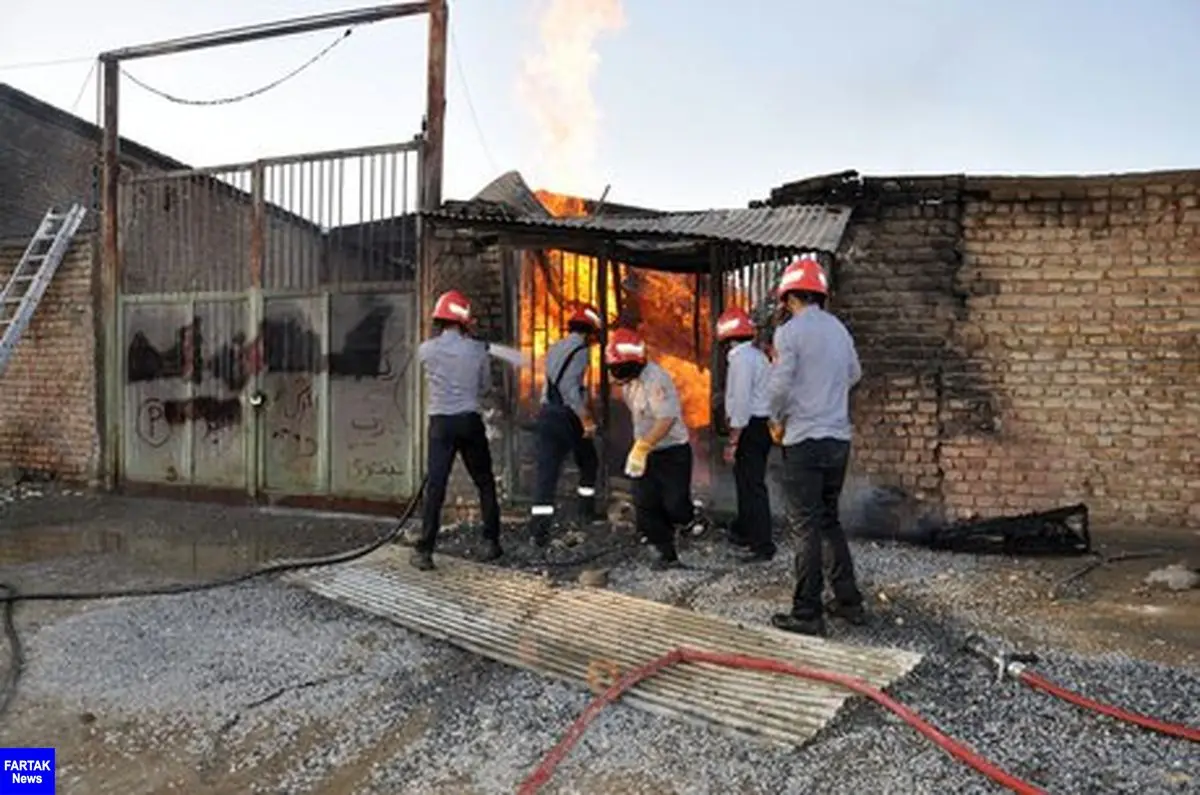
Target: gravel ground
{"points": [[265, 688]]}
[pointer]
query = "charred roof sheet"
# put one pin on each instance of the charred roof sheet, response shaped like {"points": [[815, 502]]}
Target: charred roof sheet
{"points": [[677, 241]]}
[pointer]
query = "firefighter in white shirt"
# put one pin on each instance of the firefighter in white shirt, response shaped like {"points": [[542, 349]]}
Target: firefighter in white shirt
{"points": [[748, 410], [660, 461]]}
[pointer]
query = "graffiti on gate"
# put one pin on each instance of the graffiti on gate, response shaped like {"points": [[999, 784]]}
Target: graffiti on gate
{"points": [[157, 418], [294, 407], [283, 345]]}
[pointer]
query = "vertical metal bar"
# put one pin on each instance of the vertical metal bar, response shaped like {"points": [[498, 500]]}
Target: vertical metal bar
{"points": [[258, 217], [188, 468], [322, 387], [435, 104], [509, 273], [602, 422], [404, 208], [255, 437], [109, 282], [369, 230]]}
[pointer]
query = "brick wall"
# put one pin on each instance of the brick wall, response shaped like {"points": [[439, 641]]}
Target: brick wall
{"points": [[457, 263], [48, 391], [1091, 338], [1026, 342]]}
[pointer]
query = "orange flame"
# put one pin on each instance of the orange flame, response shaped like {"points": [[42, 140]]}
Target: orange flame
{"points": [[664, 305]]}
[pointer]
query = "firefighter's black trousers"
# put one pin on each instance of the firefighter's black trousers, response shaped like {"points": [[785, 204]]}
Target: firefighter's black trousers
{"points": [[559, 433], [814, 472], [451, 435], [662, 496], [753, 522]]}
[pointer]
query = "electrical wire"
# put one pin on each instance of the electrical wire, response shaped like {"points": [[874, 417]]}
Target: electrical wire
{"points": [[11, 596], [83, 88], [7, 67], [247, 95], [462, 76], [541, 775]]}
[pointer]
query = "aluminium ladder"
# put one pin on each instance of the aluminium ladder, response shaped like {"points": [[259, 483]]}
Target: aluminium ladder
{"points": [[29, 280]]}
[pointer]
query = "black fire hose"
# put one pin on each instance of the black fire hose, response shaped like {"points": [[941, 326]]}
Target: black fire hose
{"points": [[11, 596]]}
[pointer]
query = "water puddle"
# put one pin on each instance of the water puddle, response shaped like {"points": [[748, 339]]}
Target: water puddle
{"points": [[173, 555]]}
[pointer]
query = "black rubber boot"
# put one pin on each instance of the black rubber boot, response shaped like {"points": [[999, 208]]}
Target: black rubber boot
{"points": [[539, 530], [801, 626], [853, 614], [585, 509], [421, 560], [491, 551], [665, 558], [757, 556]]}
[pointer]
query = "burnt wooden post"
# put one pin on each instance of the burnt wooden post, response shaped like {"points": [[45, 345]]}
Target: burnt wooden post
{"points": [[716, 305], [602, 420]]}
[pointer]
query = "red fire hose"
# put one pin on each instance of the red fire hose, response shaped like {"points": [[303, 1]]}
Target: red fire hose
{"points": [[1153, 724], [1014, 665], [541, 775]]}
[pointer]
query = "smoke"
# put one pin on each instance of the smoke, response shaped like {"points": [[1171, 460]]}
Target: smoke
{"points": [[868, 511], [555, 87]]}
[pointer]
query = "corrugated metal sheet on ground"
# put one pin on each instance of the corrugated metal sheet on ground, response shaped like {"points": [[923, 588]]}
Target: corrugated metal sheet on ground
{"points": [[526, 621]]}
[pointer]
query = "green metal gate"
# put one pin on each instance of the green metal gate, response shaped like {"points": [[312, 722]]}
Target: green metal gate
{"points": [[267, 326]]}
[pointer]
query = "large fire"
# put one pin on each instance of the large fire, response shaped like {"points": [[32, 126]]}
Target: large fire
{"points": [[661, 306]]}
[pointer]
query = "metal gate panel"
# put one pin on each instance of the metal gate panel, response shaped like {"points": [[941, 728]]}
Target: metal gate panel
{"points": [[155, 450], [267, 318], [372, 400], [294, 408], [216, 413]]}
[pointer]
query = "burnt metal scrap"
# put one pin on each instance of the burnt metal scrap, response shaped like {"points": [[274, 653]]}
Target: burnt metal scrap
{"points": [[1061, 531]]}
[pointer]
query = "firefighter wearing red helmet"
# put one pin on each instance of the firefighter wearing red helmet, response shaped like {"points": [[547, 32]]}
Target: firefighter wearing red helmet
{"points": [[816, 365], [564, 424], [748, 411], [660, 461], [457, 374]]}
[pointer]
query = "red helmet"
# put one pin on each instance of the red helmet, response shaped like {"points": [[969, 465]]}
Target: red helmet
{"points": [[452, 306], [803, 275], [734, 324], [625, 346], [586, 314]]}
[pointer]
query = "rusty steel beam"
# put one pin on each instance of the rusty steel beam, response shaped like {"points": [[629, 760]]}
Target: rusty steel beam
{"points": [[110, 271], [266, 30]]}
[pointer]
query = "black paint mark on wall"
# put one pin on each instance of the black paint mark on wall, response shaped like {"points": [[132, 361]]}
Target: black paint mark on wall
{"points": [[290, 346], [361, 355], [284, 345]]}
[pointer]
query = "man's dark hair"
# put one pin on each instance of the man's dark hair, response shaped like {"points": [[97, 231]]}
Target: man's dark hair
{"points": [[810, 298], [579, 327], [440, 325]]}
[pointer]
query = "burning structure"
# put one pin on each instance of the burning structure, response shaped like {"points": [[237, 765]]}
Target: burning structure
{"points": [[668, 275]]}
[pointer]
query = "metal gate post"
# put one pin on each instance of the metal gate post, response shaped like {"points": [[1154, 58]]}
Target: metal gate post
{"points": [[251, 399]]}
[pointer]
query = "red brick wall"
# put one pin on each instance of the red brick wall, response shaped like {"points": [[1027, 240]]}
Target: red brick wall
{"points": [[48, 391], [1026, 342]]}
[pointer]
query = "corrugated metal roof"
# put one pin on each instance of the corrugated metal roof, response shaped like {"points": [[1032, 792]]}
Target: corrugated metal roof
{"points": [[796, 227], [573, 634]]}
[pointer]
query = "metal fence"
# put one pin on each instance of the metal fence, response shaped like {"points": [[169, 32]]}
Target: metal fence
{"points": [[266, 318]]}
